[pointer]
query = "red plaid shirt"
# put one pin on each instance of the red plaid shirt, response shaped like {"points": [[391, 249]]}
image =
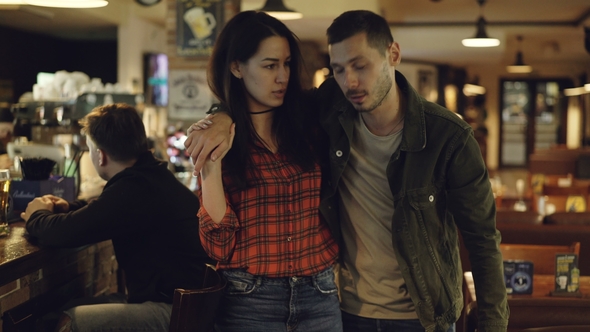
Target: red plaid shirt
{"points": [[273, 228]]}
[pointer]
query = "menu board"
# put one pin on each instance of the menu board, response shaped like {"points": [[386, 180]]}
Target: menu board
{"points": [[198, 23], [567, 274]]}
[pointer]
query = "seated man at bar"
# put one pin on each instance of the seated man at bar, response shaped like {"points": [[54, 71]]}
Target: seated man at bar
{"points": [[147, 213]]}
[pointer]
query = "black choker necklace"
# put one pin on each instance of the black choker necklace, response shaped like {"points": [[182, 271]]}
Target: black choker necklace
{"points": [[262, 112]]}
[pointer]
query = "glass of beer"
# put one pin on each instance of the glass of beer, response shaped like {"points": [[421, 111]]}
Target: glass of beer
{"points": [[4, 198]]}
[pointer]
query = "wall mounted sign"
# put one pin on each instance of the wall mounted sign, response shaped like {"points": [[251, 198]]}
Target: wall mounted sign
{"points": [[197, 25], [190, 97]]}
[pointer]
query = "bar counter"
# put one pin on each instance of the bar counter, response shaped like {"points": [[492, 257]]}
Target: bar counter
{"points": [[36, 280]]}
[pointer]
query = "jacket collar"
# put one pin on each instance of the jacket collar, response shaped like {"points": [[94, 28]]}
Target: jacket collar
{"points": [[414, 134]]}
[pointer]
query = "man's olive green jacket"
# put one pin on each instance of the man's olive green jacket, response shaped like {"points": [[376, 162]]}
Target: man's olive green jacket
{"points": [[440, 186]]}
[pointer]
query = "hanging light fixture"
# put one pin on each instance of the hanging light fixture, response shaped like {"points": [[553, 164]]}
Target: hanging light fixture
{"points": [[519, 67], [481, 38], [277, 9], [67, 3]]}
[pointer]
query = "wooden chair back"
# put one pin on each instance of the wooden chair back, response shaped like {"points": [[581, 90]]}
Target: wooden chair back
{"points": [[542, 256], [193, 310]]}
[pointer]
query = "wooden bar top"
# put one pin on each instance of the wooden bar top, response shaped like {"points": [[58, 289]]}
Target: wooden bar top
{"points": [[19, 256]]}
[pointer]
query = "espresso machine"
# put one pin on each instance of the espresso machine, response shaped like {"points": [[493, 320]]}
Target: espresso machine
{"points": [[41, 121], [47, 125]]}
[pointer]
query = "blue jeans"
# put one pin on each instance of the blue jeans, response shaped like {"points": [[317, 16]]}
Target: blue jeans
{"points": [[260, 304], [354, 323], [116, 315]]}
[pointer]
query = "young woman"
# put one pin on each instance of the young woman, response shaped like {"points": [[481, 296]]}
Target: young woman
{"points": [[259, 215]]}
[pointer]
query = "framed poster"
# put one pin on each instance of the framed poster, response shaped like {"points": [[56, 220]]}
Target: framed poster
{"points": [[190, 97], [197, 25]]}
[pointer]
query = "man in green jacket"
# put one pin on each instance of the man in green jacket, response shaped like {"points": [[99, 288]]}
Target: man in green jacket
{"points": [[405, 175]]}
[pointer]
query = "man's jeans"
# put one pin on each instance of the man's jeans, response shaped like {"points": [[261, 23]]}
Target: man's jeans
{"points": [[260, 304], [354, 323], [128, 317]]}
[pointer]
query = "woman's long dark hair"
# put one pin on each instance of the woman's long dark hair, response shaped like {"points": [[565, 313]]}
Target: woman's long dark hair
{"points": [[239, 41]]}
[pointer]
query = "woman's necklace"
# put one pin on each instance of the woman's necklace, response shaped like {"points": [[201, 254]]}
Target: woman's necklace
{"points": [[262, 112]]}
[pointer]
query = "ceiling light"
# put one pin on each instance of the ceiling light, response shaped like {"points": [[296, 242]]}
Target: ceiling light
{"points": [[12, 2], [68, 3], [575, 91], [473, 89], [277, 9], [481, 38], [519, 67]]}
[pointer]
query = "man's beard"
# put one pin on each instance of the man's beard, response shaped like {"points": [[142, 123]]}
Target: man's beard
{"points": [[381, 90]]}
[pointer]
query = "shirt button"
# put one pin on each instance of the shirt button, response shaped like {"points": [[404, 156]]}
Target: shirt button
{"points": [[339, 153], [431, 198], [289, 239]]}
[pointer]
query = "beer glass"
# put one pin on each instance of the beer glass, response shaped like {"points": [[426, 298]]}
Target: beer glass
{"points": [[4, 198]]}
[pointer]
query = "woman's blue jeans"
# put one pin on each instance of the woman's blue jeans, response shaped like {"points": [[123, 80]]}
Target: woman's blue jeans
{"points": [[254, 303], [354, 323]]}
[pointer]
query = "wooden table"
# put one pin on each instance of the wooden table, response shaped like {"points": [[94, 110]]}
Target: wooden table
{"points": [[538, 309]]}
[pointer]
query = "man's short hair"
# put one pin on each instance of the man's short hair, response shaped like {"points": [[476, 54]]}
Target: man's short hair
{"points": [[354, 22], [117, 129]]}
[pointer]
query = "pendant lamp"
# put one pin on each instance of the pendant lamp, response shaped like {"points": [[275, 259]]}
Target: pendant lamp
{"points": [[277, 9], [481, 38], [519, 67], [67, 3]]}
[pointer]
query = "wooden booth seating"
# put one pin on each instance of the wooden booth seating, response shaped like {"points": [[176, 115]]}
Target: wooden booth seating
{"points": [[575, 198], [568, 218], [542, 256], [558, 233], [193, 310], [548, 235], [528, 217]]}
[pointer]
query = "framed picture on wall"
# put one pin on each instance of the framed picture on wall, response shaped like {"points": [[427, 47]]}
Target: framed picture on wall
{"points": [[189, 94], [197, 24]]}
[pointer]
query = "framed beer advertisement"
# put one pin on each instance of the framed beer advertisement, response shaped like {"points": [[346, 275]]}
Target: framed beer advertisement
{"points": [[190, 97], [197, 24]]}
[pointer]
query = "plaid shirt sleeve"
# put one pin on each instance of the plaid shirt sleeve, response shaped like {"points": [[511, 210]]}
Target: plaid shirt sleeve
{"points": [[219, 240]]}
